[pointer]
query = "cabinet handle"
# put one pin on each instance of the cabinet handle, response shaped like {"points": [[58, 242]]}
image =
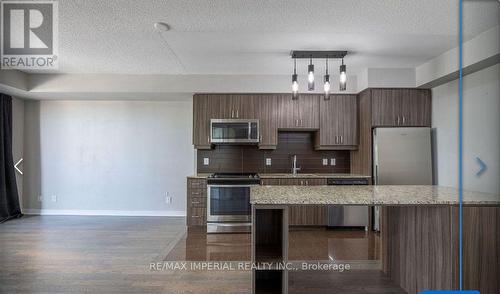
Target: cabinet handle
{"points": [[398, 120], [195, 202], [403, 119], [196, 216], [232, 113], [307, 183], [301, 122], [302, 183], [237, 114], [336, 140], [341, 139]]}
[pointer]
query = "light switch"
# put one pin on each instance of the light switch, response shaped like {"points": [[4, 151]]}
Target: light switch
{"points": [[206, 161], [325, 161], [332, 161], [268, 161]]}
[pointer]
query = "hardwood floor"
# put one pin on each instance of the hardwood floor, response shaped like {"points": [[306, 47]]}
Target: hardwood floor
{"points": [[305, 244], [69, 254]]}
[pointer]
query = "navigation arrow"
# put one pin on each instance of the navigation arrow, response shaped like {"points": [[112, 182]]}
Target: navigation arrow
{"points": [[16, 166], [482, 167]]}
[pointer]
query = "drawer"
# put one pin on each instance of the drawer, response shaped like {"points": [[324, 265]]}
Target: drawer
{"points": [[197, 192], [197, 202], [197, 216], [197, 183]]}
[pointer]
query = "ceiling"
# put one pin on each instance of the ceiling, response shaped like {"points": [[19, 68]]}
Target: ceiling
{"points": [[255, 37]]}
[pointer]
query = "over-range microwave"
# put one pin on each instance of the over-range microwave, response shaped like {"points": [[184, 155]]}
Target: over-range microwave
{"points": [[234, 131]]}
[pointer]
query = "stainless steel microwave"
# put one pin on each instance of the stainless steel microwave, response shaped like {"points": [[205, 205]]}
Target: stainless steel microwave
{"points": [[233, 131]]}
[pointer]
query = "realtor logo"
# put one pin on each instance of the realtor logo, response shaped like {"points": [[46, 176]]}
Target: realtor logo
{"points": [[29, 35]]}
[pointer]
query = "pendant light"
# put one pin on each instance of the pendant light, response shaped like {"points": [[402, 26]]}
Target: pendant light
{"points": [[310, 76], [343, 77], [326, 85], [295, 84]]}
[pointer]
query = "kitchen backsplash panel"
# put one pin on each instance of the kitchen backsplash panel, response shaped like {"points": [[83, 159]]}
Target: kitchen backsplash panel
{"points": [[231, 158]]}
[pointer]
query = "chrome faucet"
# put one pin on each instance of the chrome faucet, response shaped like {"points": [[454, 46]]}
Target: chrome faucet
{"points": [[294, 167]]}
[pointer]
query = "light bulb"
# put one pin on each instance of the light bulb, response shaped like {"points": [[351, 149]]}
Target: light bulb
{"points": [[326, 87], [343, 77], [295, 86], [310, 77]]}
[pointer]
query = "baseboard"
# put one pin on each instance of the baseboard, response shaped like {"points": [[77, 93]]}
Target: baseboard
{"points": [[104, 212]]}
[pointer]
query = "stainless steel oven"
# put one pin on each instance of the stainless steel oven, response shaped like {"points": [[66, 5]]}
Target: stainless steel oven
{"points": [[234, 131], [228, 203]]}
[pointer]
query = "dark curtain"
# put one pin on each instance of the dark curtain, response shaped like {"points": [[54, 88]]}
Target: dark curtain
{"points": [[9, 199]]}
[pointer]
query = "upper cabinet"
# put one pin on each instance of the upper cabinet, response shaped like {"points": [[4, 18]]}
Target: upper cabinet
{"points": [[267, 113], [401, 108], [231, 106], [338, 123], [335, 120], [201, 121], [299, 114]]}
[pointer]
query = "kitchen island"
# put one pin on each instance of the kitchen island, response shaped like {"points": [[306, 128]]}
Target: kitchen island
{"points": [[419, 233]]}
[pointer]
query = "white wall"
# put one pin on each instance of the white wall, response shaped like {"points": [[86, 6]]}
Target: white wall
{"points": [[481, 130], [107, 157]]}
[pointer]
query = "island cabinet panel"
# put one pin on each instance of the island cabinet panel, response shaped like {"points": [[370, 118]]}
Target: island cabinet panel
{"points": [[298, 114], [303, 215], [196, 202], [401, 107], [420, 247], [267, 113], [338, 123]]}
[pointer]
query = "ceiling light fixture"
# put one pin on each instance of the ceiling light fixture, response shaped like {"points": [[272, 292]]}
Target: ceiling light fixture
{"points": [[335, 54], [343, 77], [326, 85], [310, 75], [295, 83]]}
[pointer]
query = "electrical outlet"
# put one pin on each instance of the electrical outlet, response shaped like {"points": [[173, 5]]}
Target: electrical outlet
{"points": [[333, 161], [53, 198], [268, 161], [40, 198], [325, 161], [206, 161], [168, 198]]}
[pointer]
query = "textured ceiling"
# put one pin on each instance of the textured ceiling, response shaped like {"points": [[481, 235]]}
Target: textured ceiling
{"points": [[255, 37]]}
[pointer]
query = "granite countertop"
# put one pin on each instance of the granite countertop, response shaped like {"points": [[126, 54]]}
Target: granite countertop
{"points": [[199, 176], [368, 195], [286, 176]]}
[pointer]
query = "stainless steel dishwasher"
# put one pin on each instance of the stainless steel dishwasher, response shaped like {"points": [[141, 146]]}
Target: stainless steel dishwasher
{"points": [[348, 215]]}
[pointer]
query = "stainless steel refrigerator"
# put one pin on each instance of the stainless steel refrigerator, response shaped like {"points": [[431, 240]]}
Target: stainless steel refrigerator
{"points": [[401, 156]]}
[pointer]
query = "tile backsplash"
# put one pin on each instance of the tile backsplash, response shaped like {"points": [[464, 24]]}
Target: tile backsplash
{"points": [[241, 158]]}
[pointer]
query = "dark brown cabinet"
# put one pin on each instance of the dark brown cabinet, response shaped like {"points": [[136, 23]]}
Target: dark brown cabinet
{"points": [[302, 113], [401, 107], [267, 113], [338, 123], [196, 202], [201, 121]]}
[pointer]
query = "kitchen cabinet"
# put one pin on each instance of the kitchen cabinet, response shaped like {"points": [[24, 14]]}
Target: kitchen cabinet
{"points": [[234, 106], [196, 202], [201, 121], [401, 108], [302, 215], [338, 118], [298, 114], [267, 113]]}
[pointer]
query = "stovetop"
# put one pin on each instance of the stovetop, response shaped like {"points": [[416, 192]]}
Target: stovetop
{"points": [[234, 176]]}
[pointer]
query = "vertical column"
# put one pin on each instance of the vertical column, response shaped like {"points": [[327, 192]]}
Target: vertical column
{"points": [[270, 246]]}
